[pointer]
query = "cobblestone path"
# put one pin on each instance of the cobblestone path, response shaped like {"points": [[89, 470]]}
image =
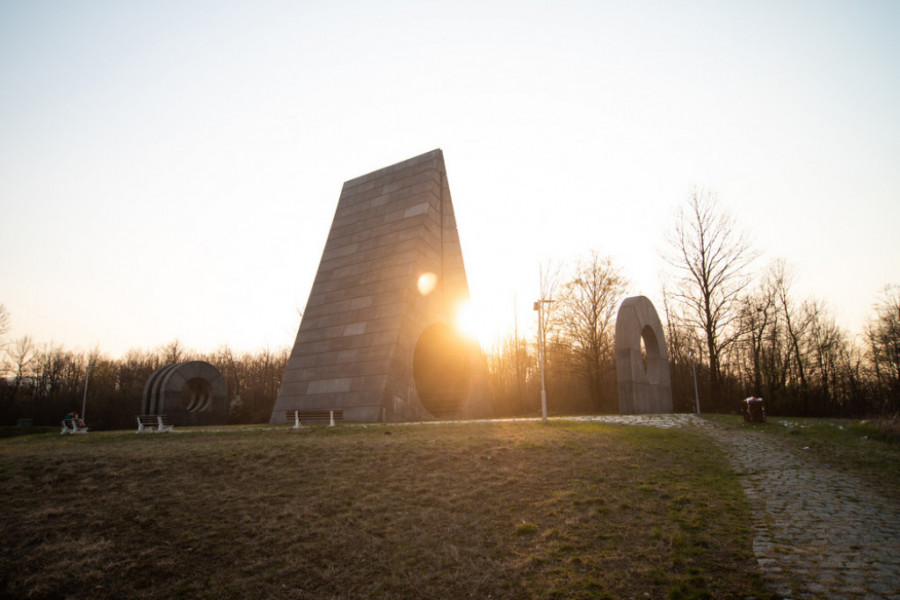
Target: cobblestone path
{"points": [[817, 533]]}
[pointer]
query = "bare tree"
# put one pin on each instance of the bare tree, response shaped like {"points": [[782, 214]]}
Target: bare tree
{"points": [[512, 372], [756, 314], [20, 358], [4, 329], [515, 350], [883, 337], [174, 351], [4, 323], [829, 353], [681, 342], [551, 276], [711, 257], [794, 353], [796, 321], [586, 315]]}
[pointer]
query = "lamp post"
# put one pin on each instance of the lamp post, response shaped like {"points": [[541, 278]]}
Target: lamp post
{"points": [[87, 372], [539, 307], [696, 395]]}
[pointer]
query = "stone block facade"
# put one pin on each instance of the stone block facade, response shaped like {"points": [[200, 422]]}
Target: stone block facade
{"points": [[360, 346]]}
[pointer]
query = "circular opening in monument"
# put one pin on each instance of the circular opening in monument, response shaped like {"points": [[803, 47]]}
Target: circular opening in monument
{"points": [[196, 394], [643, 355], [650, 355], [441, 370]]}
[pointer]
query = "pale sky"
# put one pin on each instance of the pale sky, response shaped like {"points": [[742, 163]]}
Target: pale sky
{"points": [[170, 169]]}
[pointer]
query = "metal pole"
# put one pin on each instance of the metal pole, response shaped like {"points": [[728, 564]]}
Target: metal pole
{"points": [[696, 395], [539, 306], [541, 352], [87, 372]]}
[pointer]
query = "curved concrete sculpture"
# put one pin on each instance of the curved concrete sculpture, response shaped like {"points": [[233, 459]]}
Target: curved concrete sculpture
{"points": [[642, 389], [189, 393]]}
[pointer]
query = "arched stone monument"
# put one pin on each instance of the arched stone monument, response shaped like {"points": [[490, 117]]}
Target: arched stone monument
{"points": [[644, 382], [189, 393], [378, 339]]}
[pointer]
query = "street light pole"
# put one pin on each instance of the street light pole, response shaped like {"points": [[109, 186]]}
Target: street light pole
{"points": [[87, 372], [696, 395], [539, 307]]}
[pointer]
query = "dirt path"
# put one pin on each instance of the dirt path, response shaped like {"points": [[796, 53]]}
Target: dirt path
{"points": [[817, 533]]}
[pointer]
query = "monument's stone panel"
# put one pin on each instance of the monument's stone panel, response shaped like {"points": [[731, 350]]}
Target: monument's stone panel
{"points": [[644, 382], [377, 339], [189, 393]]}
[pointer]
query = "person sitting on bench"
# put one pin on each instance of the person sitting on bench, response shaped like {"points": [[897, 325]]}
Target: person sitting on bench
{"points": [[73, 416]]}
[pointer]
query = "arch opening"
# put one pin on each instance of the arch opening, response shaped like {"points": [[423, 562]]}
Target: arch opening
{"points": [[196, 395], [650, 354], [643, 355], [441, 370]]}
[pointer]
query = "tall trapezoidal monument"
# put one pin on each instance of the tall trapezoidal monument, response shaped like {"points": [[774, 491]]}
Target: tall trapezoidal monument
{"points": [[378, 339]]}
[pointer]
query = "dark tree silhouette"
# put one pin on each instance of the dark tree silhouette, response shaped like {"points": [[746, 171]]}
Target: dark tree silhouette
{"points": [[711, 256]]}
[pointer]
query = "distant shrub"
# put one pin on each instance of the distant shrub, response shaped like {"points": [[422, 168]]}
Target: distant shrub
{"points": [[526, 529], [888, 430]]}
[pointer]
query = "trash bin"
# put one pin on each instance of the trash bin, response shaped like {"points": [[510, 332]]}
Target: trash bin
{"points": [[754, 410]]}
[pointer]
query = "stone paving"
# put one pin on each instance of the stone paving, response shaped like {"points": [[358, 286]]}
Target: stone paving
{"points": [[817, 533]]}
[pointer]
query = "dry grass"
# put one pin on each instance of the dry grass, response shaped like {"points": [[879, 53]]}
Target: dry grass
{"points": [[487, 510]]}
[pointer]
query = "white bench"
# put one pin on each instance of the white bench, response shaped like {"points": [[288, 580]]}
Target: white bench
{"points": [[154, 424], [313, 415], [71, 426]]}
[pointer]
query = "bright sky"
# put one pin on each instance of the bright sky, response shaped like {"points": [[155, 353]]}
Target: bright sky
{"points": [[170, 169]]}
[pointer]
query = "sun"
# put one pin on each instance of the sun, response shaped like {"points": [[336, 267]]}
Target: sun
{"points": [[477, 324]]}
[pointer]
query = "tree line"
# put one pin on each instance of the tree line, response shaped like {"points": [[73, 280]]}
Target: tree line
{"points": [[743, 332], [45, 383]]}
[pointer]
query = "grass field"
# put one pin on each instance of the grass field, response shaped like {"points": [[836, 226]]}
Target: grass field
{"points": [[483, 510]]}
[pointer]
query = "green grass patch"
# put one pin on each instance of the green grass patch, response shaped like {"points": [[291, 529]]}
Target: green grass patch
{"points": [[500, 510]]}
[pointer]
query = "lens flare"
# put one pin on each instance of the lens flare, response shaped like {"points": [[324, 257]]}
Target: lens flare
{"points": [[470, 322], [427, 282]]}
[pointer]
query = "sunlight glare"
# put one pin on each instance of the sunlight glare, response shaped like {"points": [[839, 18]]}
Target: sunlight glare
{"points": [[476, 324], [427, 282]]}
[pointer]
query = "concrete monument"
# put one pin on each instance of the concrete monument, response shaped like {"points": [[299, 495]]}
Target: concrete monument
{"points": [[189, 393], [645, 386], [378, 339]]}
